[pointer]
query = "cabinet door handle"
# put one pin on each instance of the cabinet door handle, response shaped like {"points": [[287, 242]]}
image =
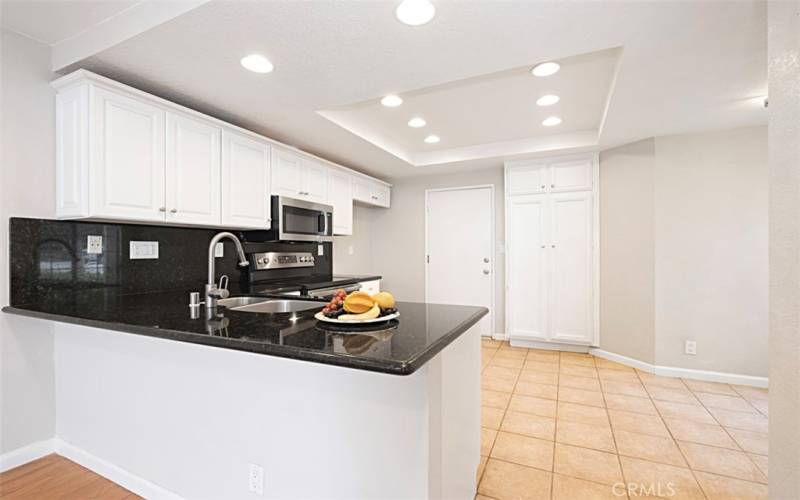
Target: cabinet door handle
{"points": [[162, 209]]}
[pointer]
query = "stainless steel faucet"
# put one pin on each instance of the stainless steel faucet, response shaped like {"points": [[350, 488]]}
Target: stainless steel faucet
{"points": [[214, 292]]}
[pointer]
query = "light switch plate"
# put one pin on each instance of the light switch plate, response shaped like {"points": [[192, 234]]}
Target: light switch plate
{"points": [[94, 244], [320, 250], [143, 250]]}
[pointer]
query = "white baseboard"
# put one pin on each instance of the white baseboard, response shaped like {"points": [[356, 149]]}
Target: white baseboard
{"points": [[128, 480], [552, 346], [672, 371], [29, 453]]}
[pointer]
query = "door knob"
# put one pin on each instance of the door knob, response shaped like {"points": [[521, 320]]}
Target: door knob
{"points": [[486, 259], [485, 271]]}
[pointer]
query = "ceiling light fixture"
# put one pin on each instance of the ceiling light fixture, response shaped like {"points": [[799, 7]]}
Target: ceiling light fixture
{"points": [[551, 121], [432, 139], [391, 101], [416, 123], [546, 69], [415, 12], [547, 100], [257, 63]]}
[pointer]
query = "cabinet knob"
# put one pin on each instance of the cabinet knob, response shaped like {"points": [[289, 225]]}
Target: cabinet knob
{"points": [[552, 185], [162, 209], [173, 211], [486, 259], [544, 246], [552, 246], [543, 186], [485, 271]]}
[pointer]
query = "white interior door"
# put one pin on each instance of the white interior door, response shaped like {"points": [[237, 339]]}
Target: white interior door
{"points": [[571, 290], [460, 249], [526, 280]]}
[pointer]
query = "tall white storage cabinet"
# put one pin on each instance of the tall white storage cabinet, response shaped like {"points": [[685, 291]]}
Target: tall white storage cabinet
{"points": [[552, 252]]}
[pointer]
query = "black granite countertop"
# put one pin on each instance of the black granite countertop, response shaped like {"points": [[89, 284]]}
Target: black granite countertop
{"points": [[399, 347]]}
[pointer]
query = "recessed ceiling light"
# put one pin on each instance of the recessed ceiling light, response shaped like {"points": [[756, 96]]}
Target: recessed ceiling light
{"points": [[432, 139], [546, 69], [551, 121], [391, 101], [257, 63], [416, 123], [415, 12], [547, 100]]}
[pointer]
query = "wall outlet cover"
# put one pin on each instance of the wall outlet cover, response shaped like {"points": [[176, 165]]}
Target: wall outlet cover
{"points": [[143, 250], [255, 479], [690, 347], [94, 244]]}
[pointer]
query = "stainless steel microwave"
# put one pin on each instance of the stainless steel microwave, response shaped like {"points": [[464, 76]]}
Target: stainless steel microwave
{"points": [[300, 220]]}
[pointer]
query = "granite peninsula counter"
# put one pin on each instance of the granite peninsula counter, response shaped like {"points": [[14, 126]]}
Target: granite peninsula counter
{"points": [[175, 406]]}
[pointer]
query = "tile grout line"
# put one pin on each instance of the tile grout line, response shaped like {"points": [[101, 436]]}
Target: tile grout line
{"points": [[613, 436], [683, 455]]}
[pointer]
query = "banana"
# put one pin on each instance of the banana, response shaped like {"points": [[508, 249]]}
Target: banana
{"points": [[371, 314]]}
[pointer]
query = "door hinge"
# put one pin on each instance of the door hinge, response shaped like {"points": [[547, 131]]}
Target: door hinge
{"points": [[427, 259]]}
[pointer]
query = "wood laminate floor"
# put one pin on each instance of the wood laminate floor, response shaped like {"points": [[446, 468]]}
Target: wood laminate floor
{"points": [[55, 477]]}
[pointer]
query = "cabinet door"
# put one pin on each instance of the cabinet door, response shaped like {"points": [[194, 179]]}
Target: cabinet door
{"points": [[340, 196], [571, 276], [572, 175], [193, 170], [287, 174], [245, 181], [527, 265], [527, 178], [127, 150], [315, 182]]}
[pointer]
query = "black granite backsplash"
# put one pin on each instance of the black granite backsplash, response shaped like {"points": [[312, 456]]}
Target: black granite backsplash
{"points": [[51, 255]]}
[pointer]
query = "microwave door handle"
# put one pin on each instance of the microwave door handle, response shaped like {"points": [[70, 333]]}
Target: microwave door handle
{"points": [[325, 217]]}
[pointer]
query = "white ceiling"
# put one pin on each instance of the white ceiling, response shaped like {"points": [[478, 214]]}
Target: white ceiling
{"points": [[489, 115], [52, 22], [684, 67]]}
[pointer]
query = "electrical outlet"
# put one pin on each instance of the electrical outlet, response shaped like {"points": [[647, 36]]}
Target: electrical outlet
{"points": [[350, 250], [690, 347], [94, 244], [219, 250], [255, 479], [143, 250]]}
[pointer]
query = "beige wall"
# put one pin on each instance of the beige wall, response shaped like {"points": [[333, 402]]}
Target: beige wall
{"points": [[627, 269], [711, 250], [784, 249], [360, 261], [27, 172], [399, 235]]}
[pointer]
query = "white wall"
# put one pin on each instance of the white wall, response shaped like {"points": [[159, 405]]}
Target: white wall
{"points": [[784, 248], [711, 250], [398, 236], [27, 184], [627, 241]]}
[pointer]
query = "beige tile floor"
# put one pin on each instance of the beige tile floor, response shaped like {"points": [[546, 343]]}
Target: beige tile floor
{"points": [[567, 426]]}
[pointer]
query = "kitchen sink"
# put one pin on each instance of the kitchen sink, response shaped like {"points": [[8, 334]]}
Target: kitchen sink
{"points": [[273, 306], [232, 302]]}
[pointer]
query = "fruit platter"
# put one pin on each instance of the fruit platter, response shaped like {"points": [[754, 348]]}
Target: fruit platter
{"points": [[359, 308]]}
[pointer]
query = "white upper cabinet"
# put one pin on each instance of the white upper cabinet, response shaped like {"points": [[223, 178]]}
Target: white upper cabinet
{"points": [[122, 154], [371, 193], [193, 170], [287, 173], [315, 181], [246, 181], [572, 175], [553, 175], [340, 196], [127, 152], [527, 178]]}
